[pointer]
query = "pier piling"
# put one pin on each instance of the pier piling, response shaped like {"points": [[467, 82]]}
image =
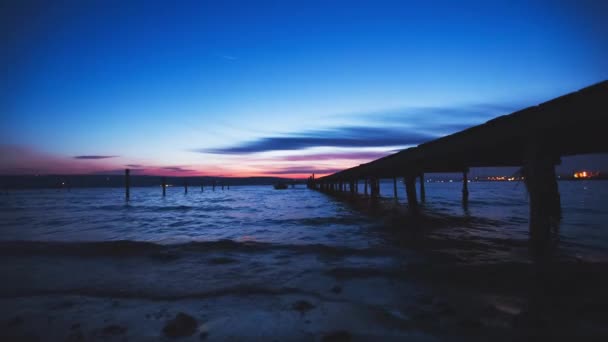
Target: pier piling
{"points": [[465, 188], [422, 191], [544, 198], [127, 184], [164, 185], [410, 190], [395, 188]]}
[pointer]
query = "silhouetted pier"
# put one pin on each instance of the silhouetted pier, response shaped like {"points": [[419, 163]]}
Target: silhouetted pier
{"points": [[534, 138]]}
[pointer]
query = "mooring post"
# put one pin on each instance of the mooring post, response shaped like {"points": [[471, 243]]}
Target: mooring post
{"points": [[410, 190], [465, 188], [164, 185], [202, 188], [127, 183], [395, 188], [545, 204], [422, 191], [185, 186]]}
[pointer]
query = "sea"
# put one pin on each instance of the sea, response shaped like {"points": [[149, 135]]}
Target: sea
{"points": [[255, 263], [296, 216]]}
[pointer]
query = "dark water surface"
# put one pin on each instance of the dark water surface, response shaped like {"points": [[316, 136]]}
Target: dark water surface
{"points": [[295, 216], [254, 263]]}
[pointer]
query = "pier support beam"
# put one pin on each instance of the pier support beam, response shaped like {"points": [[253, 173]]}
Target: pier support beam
{"points": [[410, 190], [422, 191], [395, 188], [127, 184], [465, 188], [545, 203], [164, 185], [375, 188]]}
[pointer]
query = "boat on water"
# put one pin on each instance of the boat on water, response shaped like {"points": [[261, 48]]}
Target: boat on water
{"points": [[280, 186]]}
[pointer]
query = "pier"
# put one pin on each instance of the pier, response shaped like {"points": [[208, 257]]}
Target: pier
{"points": [[534, 138]]}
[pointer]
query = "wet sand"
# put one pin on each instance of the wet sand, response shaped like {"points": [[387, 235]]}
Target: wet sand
{"points": [[440, 279]]}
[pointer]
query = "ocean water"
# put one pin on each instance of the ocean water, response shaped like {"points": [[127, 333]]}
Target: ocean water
{"points": [[254, 263], [294, 217]]}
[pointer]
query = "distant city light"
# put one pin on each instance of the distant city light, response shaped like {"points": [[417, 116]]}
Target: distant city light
{"points": [[585, 174]]}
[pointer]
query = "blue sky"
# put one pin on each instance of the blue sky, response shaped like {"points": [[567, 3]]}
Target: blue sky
{"points": [[253, 87]]}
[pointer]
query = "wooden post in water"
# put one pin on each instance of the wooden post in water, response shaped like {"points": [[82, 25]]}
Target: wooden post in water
{"points": [[465, 188], [185, 186], [127, 184], [545, 204], [374, 187], [213, 186], [395, 188], [410, 190], [164, 185], [222, 185], [202, 186], [422, 191]]}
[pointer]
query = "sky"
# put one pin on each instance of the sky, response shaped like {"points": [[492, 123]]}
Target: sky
{"points": [[274, 88]]}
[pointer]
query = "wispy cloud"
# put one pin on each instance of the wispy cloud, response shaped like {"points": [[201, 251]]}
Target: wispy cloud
{"points": [[337, 137], [177, 169], [229, 57], [401, 127], [302, 170], [336, 156], [134, 165], [94, 157]]}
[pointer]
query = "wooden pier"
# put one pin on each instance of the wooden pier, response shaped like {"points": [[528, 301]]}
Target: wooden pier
{"points": [[534, 138]]}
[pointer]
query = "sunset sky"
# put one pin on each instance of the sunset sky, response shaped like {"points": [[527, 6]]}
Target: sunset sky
{"points": [[276, 88]]}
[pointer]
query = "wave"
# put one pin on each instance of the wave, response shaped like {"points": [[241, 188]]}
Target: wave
{"points": [[239, 290], [129, 248], [320, 221]]}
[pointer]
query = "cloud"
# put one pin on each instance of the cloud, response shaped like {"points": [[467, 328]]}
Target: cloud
{"points": [[437, 118], [337, 137], [336, 156], [301, 170], [23, 159], [94, 157], [177, 169], [134, 165], [400, 127]]}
